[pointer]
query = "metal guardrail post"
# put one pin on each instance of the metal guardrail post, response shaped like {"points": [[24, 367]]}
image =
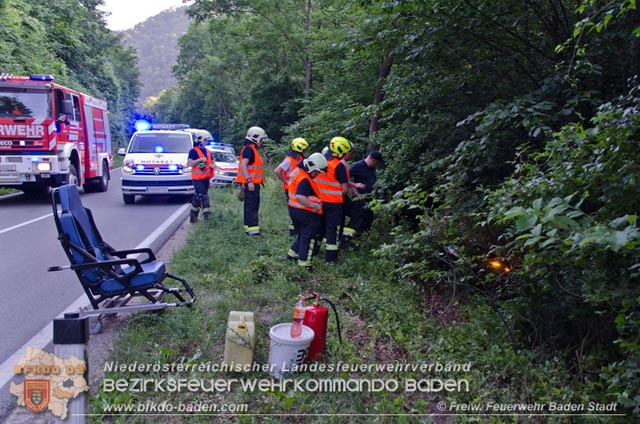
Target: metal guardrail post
{"points": [[70, 338]]}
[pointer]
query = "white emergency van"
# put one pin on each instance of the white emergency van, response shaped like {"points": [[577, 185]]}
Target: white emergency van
{"points": [[155, 163]]}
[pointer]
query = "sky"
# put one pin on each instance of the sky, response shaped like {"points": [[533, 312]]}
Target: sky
{"points": [[125, 14]]}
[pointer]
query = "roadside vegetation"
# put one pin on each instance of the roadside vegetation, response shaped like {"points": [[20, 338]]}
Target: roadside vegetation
{"points": [[509, 202], [384, 320]]}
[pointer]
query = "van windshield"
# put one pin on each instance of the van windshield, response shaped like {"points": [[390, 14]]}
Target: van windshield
{"points": [[150, 142], [224, 157]]}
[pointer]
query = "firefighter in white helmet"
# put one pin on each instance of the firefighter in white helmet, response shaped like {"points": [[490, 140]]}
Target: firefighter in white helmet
{"points": [[251, 177], [305, 208]]}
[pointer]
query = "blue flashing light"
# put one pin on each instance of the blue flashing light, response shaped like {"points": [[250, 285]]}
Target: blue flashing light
{"points": [[158, 149], [34, 159], [139, 167], [173, 167], [216, 144], [142, 125], [41, 77]]}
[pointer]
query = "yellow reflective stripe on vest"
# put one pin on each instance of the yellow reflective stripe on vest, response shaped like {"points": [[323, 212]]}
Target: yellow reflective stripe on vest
{"points": [[295, 203]]}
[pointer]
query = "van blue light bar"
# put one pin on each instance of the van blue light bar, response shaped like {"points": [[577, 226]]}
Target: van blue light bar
{"points": [[169, 126], [215, 143], [142, 125]]}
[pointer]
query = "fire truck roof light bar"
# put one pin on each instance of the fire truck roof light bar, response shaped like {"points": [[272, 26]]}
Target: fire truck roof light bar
{"points": [[41, 77]]}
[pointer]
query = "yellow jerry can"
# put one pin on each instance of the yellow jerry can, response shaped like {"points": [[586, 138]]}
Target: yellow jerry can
{"points": [[240, 341]]}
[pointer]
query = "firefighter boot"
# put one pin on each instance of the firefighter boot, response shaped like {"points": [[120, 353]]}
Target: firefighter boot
{"points": [[193, 215]]}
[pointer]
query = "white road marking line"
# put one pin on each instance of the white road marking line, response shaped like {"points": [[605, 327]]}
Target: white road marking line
{"points": [[6, 230]]}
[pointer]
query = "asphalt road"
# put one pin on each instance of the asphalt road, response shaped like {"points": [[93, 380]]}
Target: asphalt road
{"points": [[31, 297]]}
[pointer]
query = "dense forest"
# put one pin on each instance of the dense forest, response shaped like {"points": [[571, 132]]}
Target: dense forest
{"points": [[510, 131], [155, 42]]}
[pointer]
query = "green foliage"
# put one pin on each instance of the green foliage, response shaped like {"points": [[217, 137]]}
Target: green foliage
{"points": [[542, 176], [510, 131], [583, 253], [239, 70], [384, 320]]}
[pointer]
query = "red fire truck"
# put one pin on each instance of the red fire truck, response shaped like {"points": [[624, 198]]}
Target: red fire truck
{"points": [[51, 135]]}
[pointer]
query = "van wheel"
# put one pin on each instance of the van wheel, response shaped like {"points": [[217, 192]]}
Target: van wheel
{"points": [[128, 199]]}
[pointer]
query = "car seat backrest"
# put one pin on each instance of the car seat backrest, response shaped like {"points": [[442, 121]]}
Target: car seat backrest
{"points": [[70, 202]]}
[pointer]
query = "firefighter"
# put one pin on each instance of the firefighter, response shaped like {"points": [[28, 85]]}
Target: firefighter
{"points": [[333, 186], [305, 208], [283, 171], [352, 188], [202, 170], [364, 177], [251, 176]]}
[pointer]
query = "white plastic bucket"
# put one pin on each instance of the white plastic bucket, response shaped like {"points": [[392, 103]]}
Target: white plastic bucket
{"points": [[285, 352]]}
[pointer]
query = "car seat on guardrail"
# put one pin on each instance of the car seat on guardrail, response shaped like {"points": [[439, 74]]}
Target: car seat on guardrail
{"points": [[111, 278]]}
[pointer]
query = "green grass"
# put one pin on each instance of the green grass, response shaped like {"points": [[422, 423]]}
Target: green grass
{"points": [[384, 321], [5, 191]]}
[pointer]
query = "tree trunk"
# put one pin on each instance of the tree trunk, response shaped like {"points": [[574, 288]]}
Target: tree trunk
{"points": [[635, 46], [307, 58], [385, 69]]}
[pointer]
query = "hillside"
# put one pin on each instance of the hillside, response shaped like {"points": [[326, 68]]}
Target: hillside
{"points": [[156, 43]]}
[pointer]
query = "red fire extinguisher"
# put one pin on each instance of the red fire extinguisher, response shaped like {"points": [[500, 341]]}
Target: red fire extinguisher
{"points": [[316, 317]]}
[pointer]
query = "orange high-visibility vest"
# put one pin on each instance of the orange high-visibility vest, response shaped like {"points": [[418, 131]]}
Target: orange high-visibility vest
{"points": [[255, 169], [330, 189], [202, 174], [297, 176]]}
